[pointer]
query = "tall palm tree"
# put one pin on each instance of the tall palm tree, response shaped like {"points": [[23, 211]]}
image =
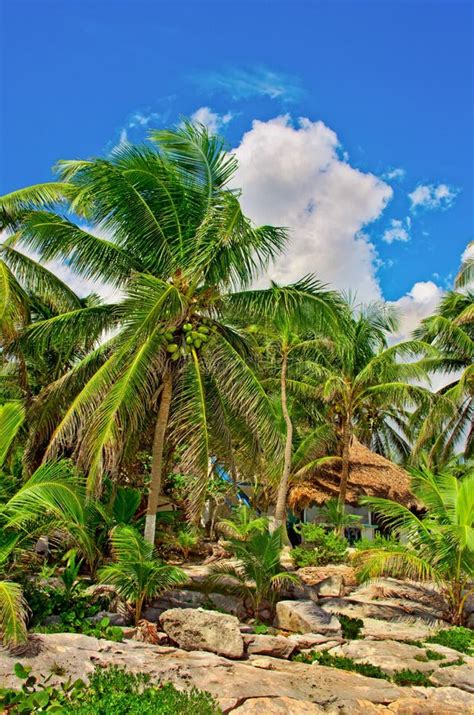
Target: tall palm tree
{"points": [[177, 244], [449, 421], [358, 374], [287, 328]]}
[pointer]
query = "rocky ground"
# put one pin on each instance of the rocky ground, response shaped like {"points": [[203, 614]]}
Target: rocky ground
{"points": [[253, 673]]}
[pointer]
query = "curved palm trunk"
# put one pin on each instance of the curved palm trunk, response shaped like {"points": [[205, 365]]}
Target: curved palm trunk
{"points": [[280, 510], [346, 444], [157, 458]]}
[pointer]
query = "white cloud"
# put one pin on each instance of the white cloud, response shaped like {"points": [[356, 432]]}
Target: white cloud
{"points": [[398, 231], [395, 174], [212, 120], [243, 84], [429, 196], [292, 176], [420, 302]]}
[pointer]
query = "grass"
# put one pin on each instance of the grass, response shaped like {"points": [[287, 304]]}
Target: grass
{"points": [[458, 638]]}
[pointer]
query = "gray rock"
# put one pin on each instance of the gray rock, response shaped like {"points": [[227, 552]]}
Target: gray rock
{"points": [[198, 629], [397, 630], [275, 646], [309, 641], [115, 619], [305, 617], [459, 676]]}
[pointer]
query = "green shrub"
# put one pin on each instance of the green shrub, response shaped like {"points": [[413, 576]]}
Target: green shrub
{"points": [[378, 542], [351, 627], [458, 638], [320, 548], [341, 662], [458, 661], [412, 677], [101, 629], [111, 691], [434, 655], [261, 629]]}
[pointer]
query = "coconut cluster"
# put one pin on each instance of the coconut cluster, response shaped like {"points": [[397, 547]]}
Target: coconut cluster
{"points": [[188, 337]]}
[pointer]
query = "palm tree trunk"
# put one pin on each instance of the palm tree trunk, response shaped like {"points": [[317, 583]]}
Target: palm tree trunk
{"points": [[280, 510], [157, 458], [346, 444]]}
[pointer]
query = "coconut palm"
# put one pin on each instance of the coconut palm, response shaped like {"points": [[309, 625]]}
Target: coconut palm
{"points": [[358, 374], [176, 242], [285, 326], [449, 421], [136, 573], [439, 544], [257, 576]]}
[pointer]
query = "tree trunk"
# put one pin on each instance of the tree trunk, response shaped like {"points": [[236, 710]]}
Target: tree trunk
{"points": [[280, 510], [157, 458], [346, 443]]}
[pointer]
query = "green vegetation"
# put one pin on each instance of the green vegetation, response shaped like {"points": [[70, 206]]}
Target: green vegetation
{"points": [[108, 409], [438, 543], [319, 548], [459, 638], [110, 691], [412, 677], [258, 575], [339, 661], [351, 627]]}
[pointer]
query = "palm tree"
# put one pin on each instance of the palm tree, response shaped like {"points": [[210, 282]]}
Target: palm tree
{"points": [[178, 242], [439, 543], [258, 575], [136, 572], [357, 374], [243, 523], [285, 324], [449, 421]]}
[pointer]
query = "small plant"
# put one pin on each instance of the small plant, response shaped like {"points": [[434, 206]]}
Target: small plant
{"points": [[111, 691], [101, 629], [458, 661], [412, 677], [320, 548], [434, 655], [458, 638], [136, 572], [341, 662], [351, 627], [243, 523], [70, 572], [185, 539], [261, 629], [257, 575]]}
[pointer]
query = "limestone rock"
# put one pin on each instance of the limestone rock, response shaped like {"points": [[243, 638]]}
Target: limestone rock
{"points": [[309, 641], [276, 706], [460, 676], [275, 646], [390, 656], [305, 617], [385, 610], [198, 629], [397, 630]]}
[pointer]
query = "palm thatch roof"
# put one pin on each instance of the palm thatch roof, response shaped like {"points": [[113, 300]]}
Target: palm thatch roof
{"points": [[370, 474]]}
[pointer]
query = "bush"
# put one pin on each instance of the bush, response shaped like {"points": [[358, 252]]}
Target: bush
{"points": [[412, 677], [458, 638], [351, 627], [101, 629], [320, 548], [378, 542], [111, 691]]}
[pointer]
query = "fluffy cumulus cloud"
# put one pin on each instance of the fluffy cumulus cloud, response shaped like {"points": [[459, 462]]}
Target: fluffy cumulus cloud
{"points": [[293, 176], [397, 231], [212, 120], [420, 302], [429, 196]]}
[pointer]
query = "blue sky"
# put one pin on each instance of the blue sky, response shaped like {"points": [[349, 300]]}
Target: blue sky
{"points": [[390, 84]]}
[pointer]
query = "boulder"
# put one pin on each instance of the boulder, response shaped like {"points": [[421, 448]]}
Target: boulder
{"points": [[305, 617], [433, 701], [115, 619], [276, 706], [377, 629], [309, 641], [198, 629], [312, 575], [459, 676], [385, 610], [275, 646]]}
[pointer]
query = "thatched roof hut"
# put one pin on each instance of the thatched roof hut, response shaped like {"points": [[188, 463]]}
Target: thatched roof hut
{"points": [[370, 474]]}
